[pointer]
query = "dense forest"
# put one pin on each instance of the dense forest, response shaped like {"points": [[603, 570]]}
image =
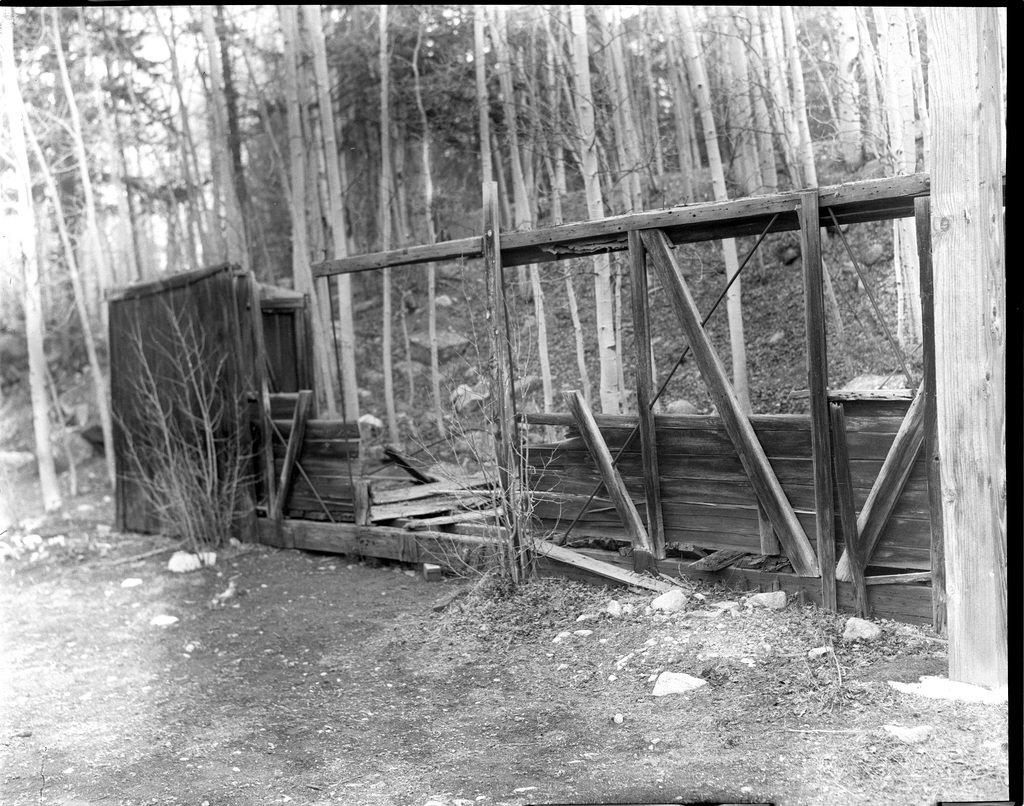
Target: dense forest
{"points": [[143, 141]]}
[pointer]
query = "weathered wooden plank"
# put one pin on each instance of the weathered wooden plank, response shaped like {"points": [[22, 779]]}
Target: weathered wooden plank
{"points": [[762, 477], [263, 400], [645, 392], [887, 487], [852, 202], [817, 384], [847, 513], [603, 569], [899, 579], [172, 283], [922, 210], [295, 436], [718, 560], [413, 509], [412, 492], [484, 516], [408, 465], [616, 490]]}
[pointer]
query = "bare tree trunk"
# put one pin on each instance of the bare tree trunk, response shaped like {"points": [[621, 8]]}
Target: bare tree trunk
{"points": [[237, 251], [603, 307], [385, 222], [762, 119], [680, 110], [848, 100], [630, 162], [782, 104], [301, 270], [920, 94], [26, 233], [652, 106], [805, 148], [99, 381], [482, 101], [873, 125], [967, 226], [338, 216], [428, 203], [702, 93], [94, 249]]}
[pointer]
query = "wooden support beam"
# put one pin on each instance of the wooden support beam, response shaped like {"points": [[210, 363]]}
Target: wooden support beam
{"points": [[737, 425], [595, 566], [770, 545], [817, 384], [922, 210], [506, 428], [295, 437], [259, 349], [888, 487], [847, 509], [616, 488], [645, 393]]}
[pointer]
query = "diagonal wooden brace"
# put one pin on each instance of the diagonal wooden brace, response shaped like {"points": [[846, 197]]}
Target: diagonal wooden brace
{"points": [[613, 483], [758, 469]]}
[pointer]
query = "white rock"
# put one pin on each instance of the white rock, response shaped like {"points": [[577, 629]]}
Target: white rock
{"points": [[922, 733], [733, 606], [163, 621], [817, 652], [612, 678], [584, 633], [774, 600], [627, 609], [670, 602], [676, 683], [613, 608], [858, 629], [443, 301], [184, 561], [131, 582], [939, 688], [586, 617], [748, 661], [621, 662], [562, 667], [561, 637], [617, 719], [371, 422]]}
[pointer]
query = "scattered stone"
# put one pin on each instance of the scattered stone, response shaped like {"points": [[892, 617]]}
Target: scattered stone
{"points": [[612, 678], [466, 398], [371, 424], [627, 609], [584, 633], [776, 337], [791, 255], [858, 629], [817, 652], [184, 561], [586, 617], [17, 460], [676, 683], [748, 661], [670, 602], [733, 606], [873, 254], [774, 600], [681, 407], [617, 719], [922, 733], [939, 688], [163, 621], [561, 637], [621, 662], [613, 608], [443, 301], [449, 345], [562, 667], [131, 582]]}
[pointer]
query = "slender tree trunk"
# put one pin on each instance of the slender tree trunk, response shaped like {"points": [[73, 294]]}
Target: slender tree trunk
{"points": [[920, 94], [385, 221], [762, 119], [99, 381], [782, 104], [603, 307], [29, 258], [630, 161], [94, 243], [338, 216], [702, 92], [301, 272], [805, 148], [747, 165], [482, 100], [428, 204], [237, 250], [848, 96], [873, 125], [967, 218], [653, 117], [680, 111]]}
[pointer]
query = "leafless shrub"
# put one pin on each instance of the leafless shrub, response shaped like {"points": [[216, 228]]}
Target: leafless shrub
{"points": [[186, 437]]}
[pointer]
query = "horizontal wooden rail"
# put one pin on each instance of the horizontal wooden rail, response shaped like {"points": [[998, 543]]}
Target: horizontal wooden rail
{"points": [[853, 202]]}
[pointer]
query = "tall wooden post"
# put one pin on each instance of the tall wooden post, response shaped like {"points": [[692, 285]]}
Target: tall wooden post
{"points": [[505, 431], [645, 392], [817, 383], [923, 212], [968, 239]]}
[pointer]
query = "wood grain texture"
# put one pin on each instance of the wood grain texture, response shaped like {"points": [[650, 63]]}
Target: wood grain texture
{"points": [[740, 431], [847, 512]]}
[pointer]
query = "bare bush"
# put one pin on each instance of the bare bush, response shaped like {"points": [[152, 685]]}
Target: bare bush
{"points": [[186, 436]]}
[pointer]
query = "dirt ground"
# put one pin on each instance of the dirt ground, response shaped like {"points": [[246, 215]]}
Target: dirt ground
{"points": [[321, 679]]}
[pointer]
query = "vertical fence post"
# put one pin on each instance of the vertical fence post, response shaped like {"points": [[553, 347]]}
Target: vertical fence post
{"points": [[817, 382], [506, 432], [923, 213]]}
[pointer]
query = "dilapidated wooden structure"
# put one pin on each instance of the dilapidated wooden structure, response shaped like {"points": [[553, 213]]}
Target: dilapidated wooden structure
{"points": [[838, 506]]}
